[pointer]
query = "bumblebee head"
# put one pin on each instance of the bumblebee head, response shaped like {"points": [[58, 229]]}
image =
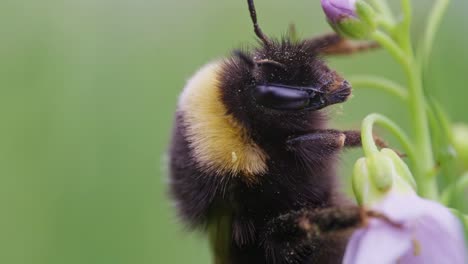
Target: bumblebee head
{"points": [[280, 86]]}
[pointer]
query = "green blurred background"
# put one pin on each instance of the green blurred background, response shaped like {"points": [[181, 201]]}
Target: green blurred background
{"points": [[88, 90]]}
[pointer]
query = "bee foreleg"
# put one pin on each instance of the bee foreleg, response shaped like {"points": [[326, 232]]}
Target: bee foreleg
{"points": [[334, 44], [331, 140], [353, 139], [321, 142]]}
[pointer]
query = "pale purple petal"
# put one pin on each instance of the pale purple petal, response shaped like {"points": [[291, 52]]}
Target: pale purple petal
{"points": [[401, 207], [353, 246], [337, 9], [430, 234], [410, 209], [433, 243], [379, 243]]}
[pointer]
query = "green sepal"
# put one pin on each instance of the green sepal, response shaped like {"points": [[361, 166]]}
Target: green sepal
{"points": [[380, 173], [401, 167], [360, 27]]}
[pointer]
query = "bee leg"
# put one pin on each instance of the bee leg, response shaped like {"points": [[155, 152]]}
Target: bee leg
{"points": [[312, 236], [334, 44], [353, 139], [323, 141]]}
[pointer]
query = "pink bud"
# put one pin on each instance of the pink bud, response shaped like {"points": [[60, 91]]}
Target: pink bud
{"points": [[339, 9]]}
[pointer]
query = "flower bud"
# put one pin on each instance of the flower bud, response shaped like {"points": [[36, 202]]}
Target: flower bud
{"points": [[351, 18], [375, 176], [401, 168], [339, 9], [363, 189]]}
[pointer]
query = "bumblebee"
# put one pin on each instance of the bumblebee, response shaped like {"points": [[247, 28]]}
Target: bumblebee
{"points": [[252, 161]]}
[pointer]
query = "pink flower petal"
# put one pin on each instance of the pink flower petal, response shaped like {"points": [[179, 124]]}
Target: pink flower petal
{"points": [[430, 234], [337, 9], [379, 243]]}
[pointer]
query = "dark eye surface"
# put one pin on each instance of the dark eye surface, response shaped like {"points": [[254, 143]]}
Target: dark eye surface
{"points": [[281, 98], [285, 97]]}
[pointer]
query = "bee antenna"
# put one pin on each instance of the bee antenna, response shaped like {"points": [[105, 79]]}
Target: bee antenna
{"points": [[271, 62], [257, 29]]}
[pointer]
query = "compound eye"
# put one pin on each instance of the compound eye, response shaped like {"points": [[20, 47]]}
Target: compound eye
{"points": [[282, 98]]}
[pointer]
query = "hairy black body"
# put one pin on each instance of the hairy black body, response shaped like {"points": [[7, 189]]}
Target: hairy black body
{"points": [[285, 208]]}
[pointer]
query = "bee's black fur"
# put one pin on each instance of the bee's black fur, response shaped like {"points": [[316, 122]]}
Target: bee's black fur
{"points": [[299, 176], [304, 67], [192, 189], [291, 212]]}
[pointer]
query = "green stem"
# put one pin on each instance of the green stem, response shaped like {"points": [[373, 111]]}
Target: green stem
{"points": [[384, 9], [454, 189], [419, 117], [392, 47], [435, 18], [404, 32], [368, 143], [416, 100], [385, 23], [421, 134], [380, 83], [406, 7]]}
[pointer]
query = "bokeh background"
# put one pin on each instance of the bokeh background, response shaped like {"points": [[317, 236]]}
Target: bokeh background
{"points": [[87, 93]]}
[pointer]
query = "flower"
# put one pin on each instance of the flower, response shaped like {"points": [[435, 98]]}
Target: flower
{"points": [[350, 18], [427, 232], [380, 173]]}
